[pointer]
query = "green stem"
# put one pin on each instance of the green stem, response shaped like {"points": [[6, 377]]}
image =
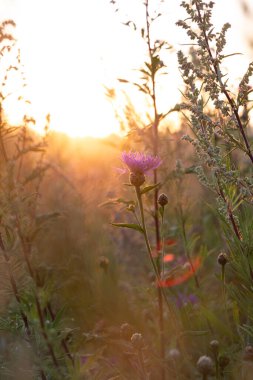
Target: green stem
{"points": [[161, 293], [162, 234], [187, 253], [138, 193]]}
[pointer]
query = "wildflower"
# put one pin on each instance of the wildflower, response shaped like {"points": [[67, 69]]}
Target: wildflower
{"points": [[139, 164], [180, 273], [183, 300], [168, 257]]}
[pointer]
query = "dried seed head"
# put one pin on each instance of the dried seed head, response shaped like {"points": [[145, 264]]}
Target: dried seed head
{"points": [[205, 365], [222, 258], [223, 361], [137, 341], [162, 200], [137, 179]]}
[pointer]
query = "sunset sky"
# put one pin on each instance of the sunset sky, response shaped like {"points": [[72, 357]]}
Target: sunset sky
{"points": [[71, 49]]}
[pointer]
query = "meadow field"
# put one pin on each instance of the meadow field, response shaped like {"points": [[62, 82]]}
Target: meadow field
{"points": [[128, 255]]}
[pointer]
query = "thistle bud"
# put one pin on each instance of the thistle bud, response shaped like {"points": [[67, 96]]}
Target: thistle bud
{"points": [[205, 365], [222, 258], [162, 200], [137, 179], [137, 341]]}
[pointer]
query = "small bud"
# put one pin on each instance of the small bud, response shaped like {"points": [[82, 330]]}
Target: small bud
{"points": [[205, 365], [162, 200], [222, 258], [137, 341], [137, 179], [103, 262], [223, 361], [214, 345]]}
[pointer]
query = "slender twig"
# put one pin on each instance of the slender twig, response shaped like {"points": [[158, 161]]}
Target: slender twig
{"points": [[158, 277], [155, 198], [229, 211]]}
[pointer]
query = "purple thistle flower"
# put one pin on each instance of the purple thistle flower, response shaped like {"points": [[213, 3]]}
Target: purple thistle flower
{"points": [[139, 163]]}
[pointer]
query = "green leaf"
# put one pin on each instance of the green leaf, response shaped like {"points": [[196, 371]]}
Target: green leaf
{"points": [[149, 188], [129, 225], [116, 201]]}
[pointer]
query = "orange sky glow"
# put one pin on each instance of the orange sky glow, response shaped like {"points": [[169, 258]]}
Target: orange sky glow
{"points": [[72, 50]]}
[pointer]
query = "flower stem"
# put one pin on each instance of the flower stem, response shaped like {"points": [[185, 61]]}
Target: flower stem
{"points": [[161, 293]]}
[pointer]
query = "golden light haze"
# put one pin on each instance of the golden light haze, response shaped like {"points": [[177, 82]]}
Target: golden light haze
{"points": [[72, 49]]}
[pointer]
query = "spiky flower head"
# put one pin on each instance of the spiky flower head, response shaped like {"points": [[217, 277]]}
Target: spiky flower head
{"points": [[140, 163]]}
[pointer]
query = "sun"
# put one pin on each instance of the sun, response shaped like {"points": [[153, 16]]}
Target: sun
{"points": [[64, 68], [70, 54]]}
